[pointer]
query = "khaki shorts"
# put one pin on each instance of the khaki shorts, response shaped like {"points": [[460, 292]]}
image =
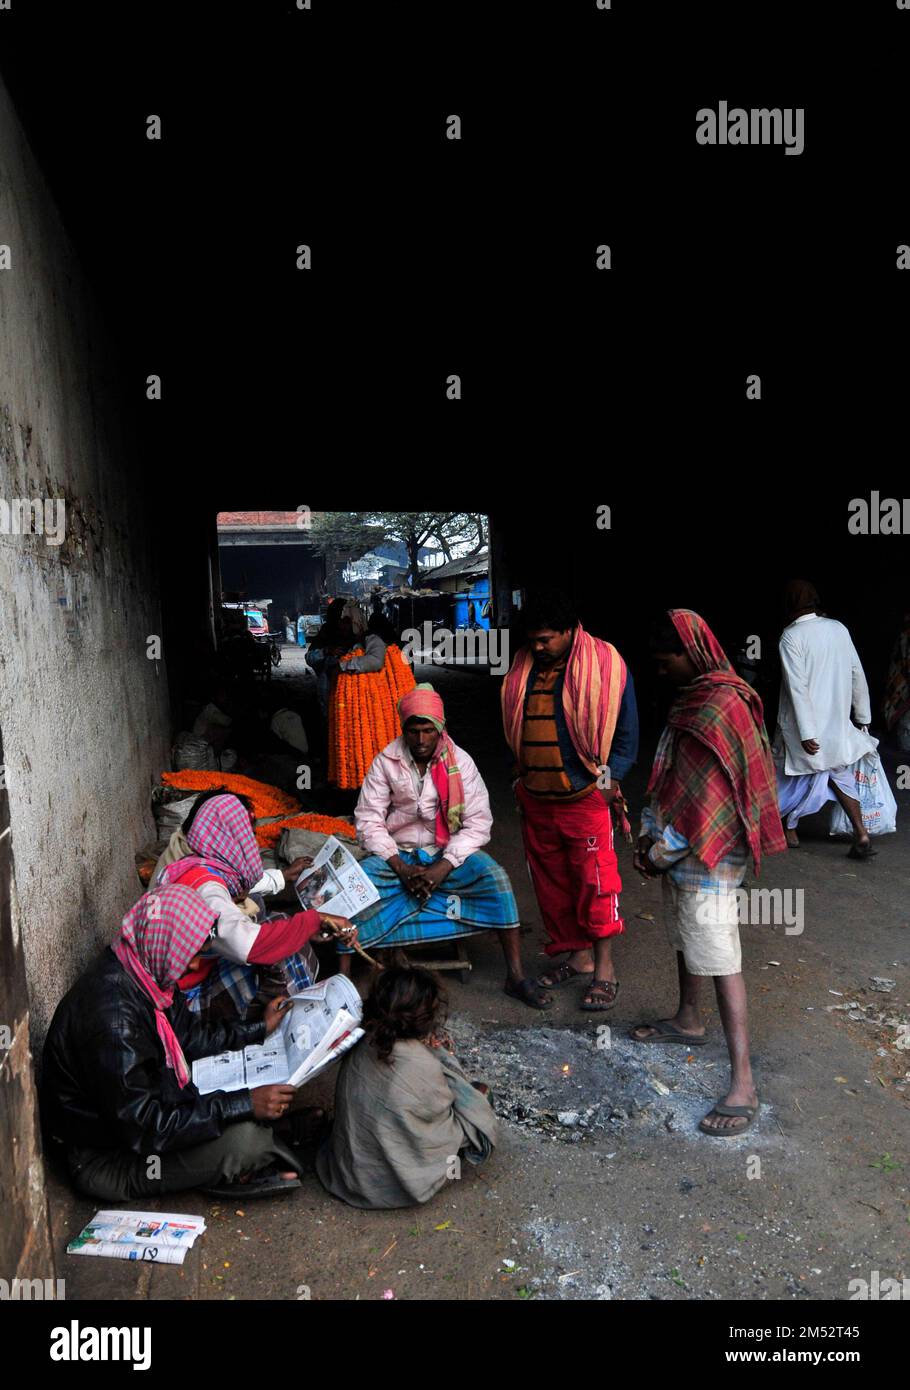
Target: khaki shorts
{"points": [[710, 946]]}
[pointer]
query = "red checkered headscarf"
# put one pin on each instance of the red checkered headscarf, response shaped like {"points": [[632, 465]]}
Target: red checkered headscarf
{"points": [[702, 647], [223, 842], [157, 940], [713, 778]]}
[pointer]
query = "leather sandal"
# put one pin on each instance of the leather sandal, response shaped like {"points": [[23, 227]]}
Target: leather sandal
{"points": [[529, 992], [729, 1131], [263, 1183], [606, 990], [561, 975]]}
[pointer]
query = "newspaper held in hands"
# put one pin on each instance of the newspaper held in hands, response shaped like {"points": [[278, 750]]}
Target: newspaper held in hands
{"points": [[157, 1236], [319, 1026], [335, 883]]}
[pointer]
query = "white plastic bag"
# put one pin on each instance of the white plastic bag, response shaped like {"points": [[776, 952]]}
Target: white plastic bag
{"points": [[875, 797], [170, 817], [289, 727]]}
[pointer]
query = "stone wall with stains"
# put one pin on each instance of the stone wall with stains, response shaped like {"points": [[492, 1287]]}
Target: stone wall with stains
{"points": [[84, 711]]}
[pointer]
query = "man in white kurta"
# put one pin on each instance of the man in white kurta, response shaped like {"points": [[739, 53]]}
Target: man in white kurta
{"points": [[817, 743]]}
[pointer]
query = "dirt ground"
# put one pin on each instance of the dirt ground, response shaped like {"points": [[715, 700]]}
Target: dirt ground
{"points": [[602, 1186]]}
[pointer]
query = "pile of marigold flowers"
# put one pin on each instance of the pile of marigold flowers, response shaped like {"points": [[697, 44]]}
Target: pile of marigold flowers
{"points": [[266, 800], [363, 715], [267, 835]]}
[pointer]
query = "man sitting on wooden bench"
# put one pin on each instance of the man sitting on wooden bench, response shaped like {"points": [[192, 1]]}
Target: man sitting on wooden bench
{"points": [[424, 813]]}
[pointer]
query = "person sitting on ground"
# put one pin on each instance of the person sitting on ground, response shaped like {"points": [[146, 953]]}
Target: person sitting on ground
{"points": [[272, 880], [224, 866], [405, 1112], [178, 847], [116, 1087], [424, 813]]}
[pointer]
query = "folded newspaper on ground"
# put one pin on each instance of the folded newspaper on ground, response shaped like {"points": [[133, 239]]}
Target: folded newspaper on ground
{"points": [[335, 882], [158, 1236], [320, 1025]]}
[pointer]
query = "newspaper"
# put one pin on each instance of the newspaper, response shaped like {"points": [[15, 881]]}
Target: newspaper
{"points": [[157, 1236], [335, 882], [320, 1025]]}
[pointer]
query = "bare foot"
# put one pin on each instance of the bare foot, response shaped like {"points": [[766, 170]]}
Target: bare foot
{"points": [[648, 1030], [791, 837]]}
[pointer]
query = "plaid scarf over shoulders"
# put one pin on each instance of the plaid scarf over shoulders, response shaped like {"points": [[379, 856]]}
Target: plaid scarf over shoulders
{"points": [[713, 777]]}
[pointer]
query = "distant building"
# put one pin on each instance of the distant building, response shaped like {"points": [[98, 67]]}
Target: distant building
{"points": [[458, 576], [271, 553], [387, 566]]}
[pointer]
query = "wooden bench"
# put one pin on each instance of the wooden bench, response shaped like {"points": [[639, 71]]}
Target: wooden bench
{"points": [[459, 962]]}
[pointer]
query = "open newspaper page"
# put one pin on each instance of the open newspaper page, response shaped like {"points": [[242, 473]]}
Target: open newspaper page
{"points": [[320, 1025], [259, 1064], [323, 1023], [335, 882]]}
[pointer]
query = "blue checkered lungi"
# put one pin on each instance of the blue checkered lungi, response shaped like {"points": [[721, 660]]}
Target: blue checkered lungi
{"points": [[473, 898]]}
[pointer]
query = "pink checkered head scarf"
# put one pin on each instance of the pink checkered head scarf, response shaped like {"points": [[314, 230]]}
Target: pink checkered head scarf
{"points": [[157, 940], [223, 842]]}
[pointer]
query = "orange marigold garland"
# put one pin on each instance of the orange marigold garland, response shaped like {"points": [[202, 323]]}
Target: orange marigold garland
{"points": [[266, 800], [267, 836], [332, 751], [363, 716]]}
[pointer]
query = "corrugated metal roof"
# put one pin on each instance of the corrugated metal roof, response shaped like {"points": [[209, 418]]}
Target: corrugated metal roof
{"points": [[468, 564]]}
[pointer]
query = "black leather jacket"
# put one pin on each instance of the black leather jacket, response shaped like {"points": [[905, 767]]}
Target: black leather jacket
{"points": [[105, 1083]]}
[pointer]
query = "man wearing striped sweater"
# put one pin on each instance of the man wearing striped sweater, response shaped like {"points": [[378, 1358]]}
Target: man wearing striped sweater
{"points": [[570, 718]]}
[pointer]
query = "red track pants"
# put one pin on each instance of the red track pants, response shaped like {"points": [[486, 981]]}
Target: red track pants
{"points": [[569, 849]]}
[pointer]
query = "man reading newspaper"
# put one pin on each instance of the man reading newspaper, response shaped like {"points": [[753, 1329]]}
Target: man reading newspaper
{"points": [[118, 1098]]}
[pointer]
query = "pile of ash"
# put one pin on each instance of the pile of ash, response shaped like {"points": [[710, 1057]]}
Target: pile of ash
{"points": [[571, 1085]]}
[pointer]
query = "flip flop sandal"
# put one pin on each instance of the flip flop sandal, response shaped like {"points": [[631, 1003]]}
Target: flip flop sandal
{"points": [[261, 1184], [666, 1033], [528, 992], [750, 1111], [561, 975], [862, 852], [608, 988]]}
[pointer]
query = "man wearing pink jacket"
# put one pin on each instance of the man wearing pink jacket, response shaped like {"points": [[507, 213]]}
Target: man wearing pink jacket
{"points": [[424, 815]]}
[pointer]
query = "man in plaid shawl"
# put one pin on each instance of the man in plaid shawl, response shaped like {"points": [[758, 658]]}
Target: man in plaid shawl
{"points": [[712, 804]]}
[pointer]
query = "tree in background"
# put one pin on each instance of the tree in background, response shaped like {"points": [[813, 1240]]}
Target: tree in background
{"points": [[352, 534]]}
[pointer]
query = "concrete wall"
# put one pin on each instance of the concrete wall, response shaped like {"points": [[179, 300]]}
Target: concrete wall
{"points": [[84, 712], [25, 1244]]}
